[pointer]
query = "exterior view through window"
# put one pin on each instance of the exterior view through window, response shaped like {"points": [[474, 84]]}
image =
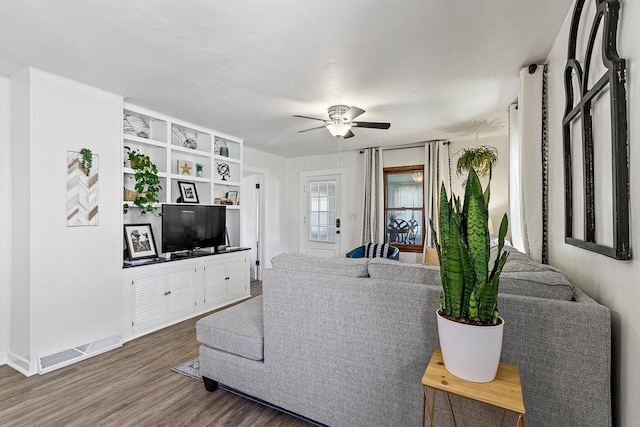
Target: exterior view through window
{"points": [[404, 207]]}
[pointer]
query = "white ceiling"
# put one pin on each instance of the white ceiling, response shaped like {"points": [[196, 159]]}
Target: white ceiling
{"points": [[433, 68]]}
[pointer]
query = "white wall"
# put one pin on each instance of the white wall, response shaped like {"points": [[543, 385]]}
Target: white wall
{"points": [[21, 177], [613, 283], [74, 278], [351, 229], [5, 215], [275, 194]]}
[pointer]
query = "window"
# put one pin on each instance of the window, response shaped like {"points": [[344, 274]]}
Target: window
{"points": [[404, 207]]}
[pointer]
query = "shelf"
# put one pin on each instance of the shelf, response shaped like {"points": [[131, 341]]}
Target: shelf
{"points": [[190, 151], [229, 183], [226, 159], [133, 172], [132, 205], [190, 178], [234, 207], [147, 141]]}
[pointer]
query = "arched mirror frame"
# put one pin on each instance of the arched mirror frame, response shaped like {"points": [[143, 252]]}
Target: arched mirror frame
{"points": [[614, 79]]}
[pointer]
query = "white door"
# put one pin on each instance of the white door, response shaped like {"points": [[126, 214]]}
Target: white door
{"points": [[251, 221], [320, 222]]}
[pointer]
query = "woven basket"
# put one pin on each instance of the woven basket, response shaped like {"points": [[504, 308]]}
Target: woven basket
{"points": [[130, 196]]}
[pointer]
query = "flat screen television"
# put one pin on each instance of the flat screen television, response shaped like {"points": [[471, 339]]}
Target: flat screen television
{"points": [[190, 227]]}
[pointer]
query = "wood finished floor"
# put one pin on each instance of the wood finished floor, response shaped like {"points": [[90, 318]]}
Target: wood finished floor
{"points": [[130, 386]]}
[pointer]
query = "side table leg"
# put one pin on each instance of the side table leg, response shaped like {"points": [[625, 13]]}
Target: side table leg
{"points": [[430, 407], [453, 415], [520, 421]]}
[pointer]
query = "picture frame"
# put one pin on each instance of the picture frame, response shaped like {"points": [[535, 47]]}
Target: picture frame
{"points": [[233, 195], [140, 241], [188, 192]]}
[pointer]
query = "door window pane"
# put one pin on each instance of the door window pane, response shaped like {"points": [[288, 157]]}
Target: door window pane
{"points": [[322, 211]]}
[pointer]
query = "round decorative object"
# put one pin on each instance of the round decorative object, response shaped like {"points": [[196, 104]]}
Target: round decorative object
{"points": [[223, 171]]}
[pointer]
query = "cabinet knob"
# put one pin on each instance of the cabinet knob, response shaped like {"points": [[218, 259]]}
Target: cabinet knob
{"points": [[226, 278]]}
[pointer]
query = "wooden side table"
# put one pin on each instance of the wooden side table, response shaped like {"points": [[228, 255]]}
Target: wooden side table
{"points": [[504, 392]]}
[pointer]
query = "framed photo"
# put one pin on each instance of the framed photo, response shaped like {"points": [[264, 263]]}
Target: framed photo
{"points": [[233, 195], [140, 242], [188, 192]]}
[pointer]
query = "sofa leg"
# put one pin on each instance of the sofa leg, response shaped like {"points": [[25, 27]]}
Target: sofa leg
{"points": [[209, 384]]}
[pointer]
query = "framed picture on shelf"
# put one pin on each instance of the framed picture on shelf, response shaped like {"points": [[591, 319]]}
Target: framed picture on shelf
{"points": [[188, 192], [233, 196], [185, 167], [140, 242]]}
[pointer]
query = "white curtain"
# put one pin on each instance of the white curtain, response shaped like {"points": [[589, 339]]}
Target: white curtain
{"points": [[436, 171], [525, 180], [372, 229]]}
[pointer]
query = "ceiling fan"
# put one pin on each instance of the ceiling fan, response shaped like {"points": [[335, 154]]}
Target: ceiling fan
{"points": [[341, 121]]}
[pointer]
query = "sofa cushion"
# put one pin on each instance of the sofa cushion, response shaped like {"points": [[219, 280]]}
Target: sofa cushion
{"points": [[382, 268], [349, 267], [541, 284], [545, 283], [237, 329]]}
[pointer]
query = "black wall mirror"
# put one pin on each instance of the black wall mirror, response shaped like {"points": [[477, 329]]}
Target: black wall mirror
{"points": [[594, 131]]}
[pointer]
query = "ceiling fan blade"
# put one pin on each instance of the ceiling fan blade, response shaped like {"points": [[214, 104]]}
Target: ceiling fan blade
{"points": [[307, 117], [349, 134], [307, 130], [352, 113], [371, 125]]}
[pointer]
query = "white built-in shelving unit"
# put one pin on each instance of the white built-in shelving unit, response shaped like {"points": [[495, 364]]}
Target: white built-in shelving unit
{"points": [[168, 141]]}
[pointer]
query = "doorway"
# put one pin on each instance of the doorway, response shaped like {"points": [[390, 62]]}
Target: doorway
{"points": [[321, 201]]}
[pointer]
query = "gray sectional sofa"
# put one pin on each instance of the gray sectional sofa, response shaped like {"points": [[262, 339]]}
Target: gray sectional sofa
{"points": [[345, 342]]}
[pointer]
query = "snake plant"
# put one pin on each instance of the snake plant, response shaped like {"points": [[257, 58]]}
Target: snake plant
{"points": [[470, 286]]}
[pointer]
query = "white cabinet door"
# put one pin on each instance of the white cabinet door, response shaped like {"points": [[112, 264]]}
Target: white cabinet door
{"points": [[214, 283], [237, 279], [149, 307], [181, 292]]}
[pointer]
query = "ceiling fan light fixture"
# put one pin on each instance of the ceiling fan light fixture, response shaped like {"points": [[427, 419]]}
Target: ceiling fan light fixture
{"points": [[339, 129]]}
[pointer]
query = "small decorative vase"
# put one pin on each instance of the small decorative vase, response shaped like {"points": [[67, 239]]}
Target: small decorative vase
{"points": [[224, 151], [199, 173], [470, 352]]}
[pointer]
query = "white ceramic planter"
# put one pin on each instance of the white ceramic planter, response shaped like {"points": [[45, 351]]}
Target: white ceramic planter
{"points": [[470, 352]]}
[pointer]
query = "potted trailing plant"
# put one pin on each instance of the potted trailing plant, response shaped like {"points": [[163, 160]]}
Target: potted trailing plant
{"points": [[468, 303], [86, 160], [480, 159], [199, 170], [147, 184]]}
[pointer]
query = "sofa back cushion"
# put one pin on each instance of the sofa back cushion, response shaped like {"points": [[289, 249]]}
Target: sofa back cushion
{"points": [[384, 269], [349, 267], [538, 281]]}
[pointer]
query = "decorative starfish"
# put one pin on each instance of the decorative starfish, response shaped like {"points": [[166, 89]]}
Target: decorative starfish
{"points": [[186, 169]]}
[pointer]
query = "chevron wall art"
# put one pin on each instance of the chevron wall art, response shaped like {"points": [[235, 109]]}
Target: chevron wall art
{"points": [[82, 191]]}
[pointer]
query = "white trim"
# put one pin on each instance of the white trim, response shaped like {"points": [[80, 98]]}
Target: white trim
{"points": [[263, 179], [21, 365]]}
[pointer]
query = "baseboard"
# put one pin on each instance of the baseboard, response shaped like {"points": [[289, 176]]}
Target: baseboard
{"points": [[21, 365], [3, 358]]}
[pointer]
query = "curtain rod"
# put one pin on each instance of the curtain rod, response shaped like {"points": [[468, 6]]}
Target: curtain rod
{"points": [[412, 145]]}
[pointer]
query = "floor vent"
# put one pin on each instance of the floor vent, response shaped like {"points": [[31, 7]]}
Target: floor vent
{"points": [[76, 354]]}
